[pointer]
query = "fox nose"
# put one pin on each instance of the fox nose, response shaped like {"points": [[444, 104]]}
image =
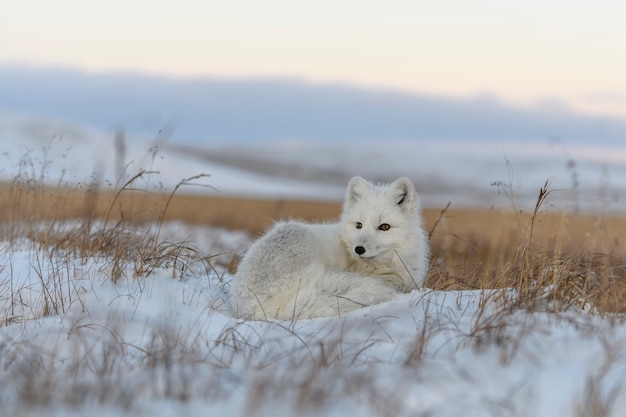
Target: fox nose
{"points": [[360, 250]]}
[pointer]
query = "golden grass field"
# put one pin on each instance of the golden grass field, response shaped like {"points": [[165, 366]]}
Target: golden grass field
{"points": [[472, 248]]}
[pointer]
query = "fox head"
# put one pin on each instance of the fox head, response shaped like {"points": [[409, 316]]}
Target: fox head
{"points": [[379, 220]]}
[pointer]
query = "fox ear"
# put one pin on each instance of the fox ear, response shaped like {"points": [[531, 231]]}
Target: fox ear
{"points": [[403, 193], [357, 188]]}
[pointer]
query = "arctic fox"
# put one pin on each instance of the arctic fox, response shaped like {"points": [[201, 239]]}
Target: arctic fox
{"points": [[299, 270]]}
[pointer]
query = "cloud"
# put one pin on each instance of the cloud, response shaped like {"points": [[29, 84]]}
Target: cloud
{"points": [[250, 110], [606, 97]]}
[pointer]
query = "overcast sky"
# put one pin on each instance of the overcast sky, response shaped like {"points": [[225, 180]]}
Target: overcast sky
{"points": [[524, 53]]}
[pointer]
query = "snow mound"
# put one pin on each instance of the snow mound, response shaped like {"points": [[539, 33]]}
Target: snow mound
{"points": [[157, 339]]}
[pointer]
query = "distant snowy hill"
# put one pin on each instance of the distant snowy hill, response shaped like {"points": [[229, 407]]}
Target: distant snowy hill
{"points": [[478, 174]]}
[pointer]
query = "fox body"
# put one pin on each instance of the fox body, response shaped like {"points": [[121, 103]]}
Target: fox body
{"points": [[300, 270]]}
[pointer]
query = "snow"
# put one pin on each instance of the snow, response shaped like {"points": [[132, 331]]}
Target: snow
{"points": [[584, 177], [163, 343], [78, 337], [62, 152]]}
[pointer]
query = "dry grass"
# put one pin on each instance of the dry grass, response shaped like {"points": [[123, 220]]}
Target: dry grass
{"points": [[579, 257]]}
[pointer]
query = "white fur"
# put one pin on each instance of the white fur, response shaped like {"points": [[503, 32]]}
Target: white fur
{"points": [[299, 270]]}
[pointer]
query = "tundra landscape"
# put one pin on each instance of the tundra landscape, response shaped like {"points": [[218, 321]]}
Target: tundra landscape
{"points": [[158, 161], [114, 300]]}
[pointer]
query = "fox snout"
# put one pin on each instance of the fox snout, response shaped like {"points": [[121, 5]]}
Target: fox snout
{"points": [[360, 250]]}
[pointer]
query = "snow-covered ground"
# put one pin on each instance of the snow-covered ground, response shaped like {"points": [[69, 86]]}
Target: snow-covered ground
{"points": [[162, 343], [149, 333]]}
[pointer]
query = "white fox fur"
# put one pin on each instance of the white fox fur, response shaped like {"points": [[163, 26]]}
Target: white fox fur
{"points": [[299, 270]]}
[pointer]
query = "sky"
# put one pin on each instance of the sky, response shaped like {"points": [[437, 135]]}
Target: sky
{"points": [[532, 53]]}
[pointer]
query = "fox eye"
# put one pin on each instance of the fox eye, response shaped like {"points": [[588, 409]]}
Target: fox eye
{"points": [[384, 227], [359, 225]]}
